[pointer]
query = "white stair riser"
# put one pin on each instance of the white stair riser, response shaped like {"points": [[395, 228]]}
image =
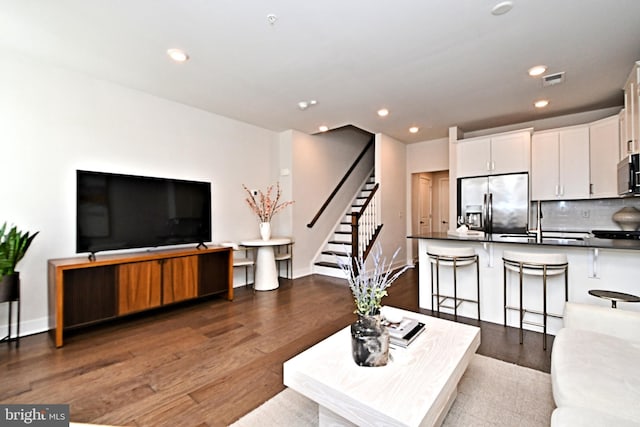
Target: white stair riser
{"points": [[327, 271], [332, 258], [336, 247]]}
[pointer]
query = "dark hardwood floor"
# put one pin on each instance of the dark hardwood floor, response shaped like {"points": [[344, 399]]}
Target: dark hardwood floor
{"points": [[205, 363]]}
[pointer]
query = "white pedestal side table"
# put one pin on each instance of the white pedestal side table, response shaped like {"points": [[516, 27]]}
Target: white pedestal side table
{"points": [[266, 271]]}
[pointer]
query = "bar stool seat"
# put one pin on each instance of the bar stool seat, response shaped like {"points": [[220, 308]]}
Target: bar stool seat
{"points": [[453, 257], [534, 264]]}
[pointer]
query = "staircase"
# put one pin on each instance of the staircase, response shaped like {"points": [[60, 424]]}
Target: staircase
{"points": [[340, 244]]}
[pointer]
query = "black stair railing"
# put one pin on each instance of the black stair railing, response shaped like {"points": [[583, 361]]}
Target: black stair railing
{"points": [[324, 206]]}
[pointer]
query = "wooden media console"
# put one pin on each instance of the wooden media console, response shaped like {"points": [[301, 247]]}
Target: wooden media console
{"points": [[83, 292]]}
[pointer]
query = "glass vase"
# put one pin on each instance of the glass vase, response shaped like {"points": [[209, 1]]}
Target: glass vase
{"points": [[369, 341]]}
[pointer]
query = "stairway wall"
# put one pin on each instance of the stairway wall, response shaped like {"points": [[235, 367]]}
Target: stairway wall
{"points": [[318, 163]]}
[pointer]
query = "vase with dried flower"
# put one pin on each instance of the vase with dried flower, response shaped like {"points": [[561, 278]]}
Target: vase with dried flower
{"points": [[265, 206], [369, 337]]}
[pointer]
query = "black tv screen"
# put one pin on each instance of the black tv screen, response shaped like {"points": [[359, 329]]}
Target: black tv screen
{"points": [[125, 211]]}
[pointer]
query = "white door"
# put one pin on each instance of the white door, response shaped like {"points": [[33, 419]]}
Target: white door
{"points": [[425, 214], [443, 205]]}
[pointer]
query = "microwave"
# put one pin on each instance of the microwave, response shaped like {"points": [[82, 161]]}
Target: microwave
{"points": [[629, 175]]}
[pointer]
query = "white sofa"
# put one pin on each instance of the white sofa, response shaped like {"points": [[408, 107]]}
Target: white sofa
{"points": [[595, 367]]}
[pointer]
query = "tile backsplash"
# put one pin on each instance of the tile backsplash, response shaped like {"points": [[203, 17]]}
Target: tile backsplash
{"points": [[581, 215]]}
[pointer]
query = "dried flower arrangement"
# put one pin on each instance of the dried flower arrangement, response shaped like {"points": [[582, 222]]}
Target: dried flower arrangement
{"points": [[368, 288], [266, 206]]}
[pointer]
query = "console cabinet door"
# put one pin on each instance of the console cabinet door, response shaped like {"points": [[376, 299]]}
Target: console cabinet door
{"points": [[179, 279], [139, 286], [89, 295], [216, 272]]}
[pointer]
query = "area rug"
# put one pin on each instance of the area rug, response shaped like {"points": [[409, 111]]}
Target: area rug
{"points": [[490, 393]]}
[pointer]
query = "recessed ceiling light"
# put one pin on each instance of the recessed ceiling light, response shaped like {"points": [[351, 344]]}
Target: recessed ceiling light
{"points": [[178, 55], [414, 129], [383, 112], [537, 70], [502, 8], [541, 103], [323, 128]]}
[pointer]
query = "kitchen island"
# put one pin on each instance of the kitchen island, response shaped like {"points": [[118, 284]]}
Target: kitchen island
{"points": [[608, 264]]}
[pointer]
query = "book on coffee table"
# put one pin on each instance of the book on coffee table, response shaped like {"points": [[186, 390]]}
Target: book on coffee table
{"points": [[404, 333]]}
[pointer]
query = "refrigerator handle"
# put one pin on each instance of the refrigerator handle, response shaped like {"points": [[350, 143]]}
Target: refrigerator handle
{"points": [[490, 214], [485, 213]]}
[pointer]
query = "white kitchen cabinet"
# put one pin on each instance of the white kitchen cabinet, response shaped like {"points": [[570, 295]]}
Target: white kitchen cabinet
{"points": [[495, 154], [622, 129], [632, 112], [603, 147], [560, 164]]}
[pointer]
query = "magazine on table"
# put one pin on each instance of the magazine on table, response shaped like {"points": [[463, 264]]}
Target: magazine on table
{"points": [[405, 332]]}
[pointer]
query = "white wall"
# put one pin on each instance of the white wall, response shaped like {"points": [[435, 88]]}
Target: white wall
{"points": [[428, 156], [54, 121], [391, 173]]}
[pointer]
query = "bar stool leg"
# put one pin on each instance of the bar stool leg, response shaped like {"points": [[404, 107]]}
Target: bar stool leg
{"points": [[455, 289], [521, 312], [478, 284], [433, 305], [504, 283], [544, 308], [438, 285]]}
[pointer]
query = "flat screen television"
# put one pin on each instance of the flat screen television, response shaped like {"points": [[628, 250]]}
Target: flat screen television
{"points": [[115, 211]]}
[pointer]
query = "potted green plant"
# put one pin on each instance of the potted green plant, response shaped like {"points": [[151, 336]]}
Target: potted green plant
{"points": [[369, 338], [13, 246]]}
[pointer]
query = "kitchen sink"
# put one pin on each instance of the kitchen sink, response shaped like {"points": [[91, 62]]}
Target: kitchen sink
{"points": [[530, 238], [562, 239]]}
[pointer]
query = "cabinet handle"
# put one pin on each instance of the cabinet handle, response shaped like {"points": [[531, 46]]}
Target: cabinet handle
{"points": [[493, 165], [488, 165], [557, 190], [590, 188]]}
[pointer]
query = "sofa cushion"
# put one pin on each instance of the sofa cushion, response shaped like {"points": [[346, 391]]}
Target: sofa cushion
{"points": [[592, 370], [583, 417]]}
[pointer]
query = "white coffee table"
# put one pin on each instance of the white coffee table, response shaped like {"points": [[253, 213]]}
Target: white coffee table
{"points": [[416, 388]]}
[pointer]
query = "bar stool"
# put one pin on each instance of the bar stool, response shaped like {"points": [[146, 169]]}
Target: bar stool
{"points": [[452, 257], [535, 264]]}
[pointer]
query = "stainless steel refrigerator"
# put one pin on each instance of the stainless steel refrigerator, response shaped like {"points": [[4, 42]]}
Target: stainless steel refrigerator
{"points": [[494, 204]]}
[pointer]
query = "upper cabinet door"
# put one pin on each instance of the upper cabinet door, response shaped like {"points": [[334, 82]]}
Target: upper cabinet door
{"points": [[496, 154], [510, 153], [574, 163], [560, 164], [474, 157], [545, 166], [603, 146]]}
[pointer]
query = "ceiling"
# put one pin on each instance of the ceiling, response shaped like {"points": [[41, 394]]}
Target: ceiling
{"points": [[432, 63]]}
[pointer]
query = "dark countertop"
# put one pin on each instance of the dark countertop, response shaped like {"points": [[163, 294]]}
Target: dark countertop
{"points": [[589, 242]]}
